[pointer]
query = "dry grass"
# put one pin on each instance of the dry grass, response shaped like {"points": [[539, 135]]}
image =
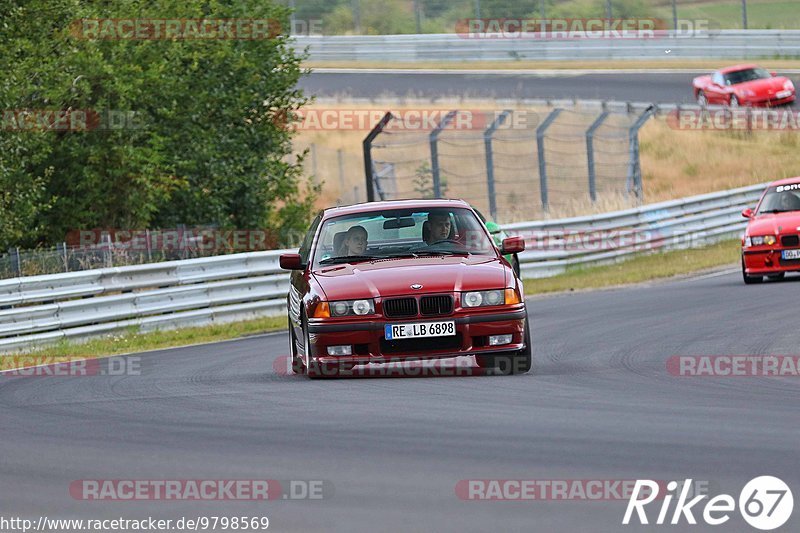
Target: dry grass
{"points": [[683, 163], [674, 163]]}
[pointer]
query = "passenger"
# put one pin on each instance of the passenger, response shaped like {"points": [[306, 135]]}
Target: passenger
{"points": [[440, 227], [354, 242]]}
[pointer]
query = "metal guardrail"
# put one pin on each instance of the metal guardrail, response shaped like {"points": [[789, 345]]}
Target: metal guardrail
{"points": [[611, 237], [719, 44], [38, 310], [44, 309]]}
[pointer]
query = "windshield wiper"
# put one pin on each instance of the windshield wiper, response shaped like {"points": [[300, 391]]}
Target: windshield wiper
{"points": [[443, 252], [400, 255], [347, 259], [773, 211]]}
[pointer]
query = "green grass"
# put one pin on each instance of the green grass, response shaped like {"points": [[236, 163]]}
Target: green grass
{"points": [[133, 341], [639, 269]]}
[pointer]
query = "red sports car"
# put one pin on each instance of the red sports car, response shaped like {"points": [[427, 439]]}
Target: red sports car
{"points": [[743, 85], [771, 242], [404, 280]]}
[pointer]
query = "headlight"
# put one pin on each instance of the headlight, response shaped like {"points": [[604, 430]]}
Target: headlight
{"points": [[760, 240], [483, 298], [788, 85], [352, 307]]}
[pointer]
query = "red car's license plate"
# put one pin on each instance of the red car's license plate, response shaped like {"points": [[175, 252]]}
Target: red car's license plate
{"points": [[791, 254], [420, 329]]}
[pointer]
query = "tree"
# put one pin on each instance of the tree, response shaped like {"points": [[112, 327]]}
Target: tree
{"points": [[190, 130]]}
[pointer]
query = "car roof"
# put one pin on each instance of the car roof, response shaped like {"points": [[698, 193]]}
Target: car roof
{"points": [[785, 181], [736, 68], [367, 207]]}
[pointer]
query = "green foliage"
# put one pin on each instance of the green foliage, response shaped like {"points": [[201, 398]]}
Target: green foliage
{"points": [[423, 182], [205, 144]]}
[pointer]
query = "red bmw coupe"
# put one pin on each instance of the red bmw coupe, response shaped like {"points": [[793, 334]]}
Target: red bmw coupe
{"points": [[771, 242], [404, 280], [743, 85]]}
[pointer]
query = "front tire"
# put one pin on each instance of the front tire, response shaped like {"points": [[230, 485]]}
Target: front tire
{"points": [[734, 103], [750, 280], [702, 101], [297, 362]]}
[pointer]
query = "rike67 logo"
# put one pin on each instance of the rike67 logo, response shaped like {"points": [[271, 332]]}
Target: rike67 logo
{"points": [[765, 503]]}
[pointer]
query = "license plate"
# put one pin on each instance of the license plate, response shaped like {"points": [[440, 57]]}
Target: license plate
{"points": [[790, 254], [783, 94], [446, 328]]}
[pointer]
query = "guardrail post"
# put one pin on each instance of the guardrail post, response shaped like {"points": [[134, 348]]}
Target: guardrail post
{"points": [[367, 147], [590, 153], [540, 131], [108, 259], [13, 254], [487, 141], [634, 181], [434, 142], [62, 247]]}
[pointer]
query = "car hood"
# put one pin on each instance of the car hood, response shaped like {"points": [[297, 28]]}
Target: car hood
{"points": [[764, 86], [775, 224], [394, 277]]}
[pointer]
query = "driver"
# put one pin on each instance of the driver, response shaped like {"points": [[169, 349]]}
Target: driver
{"points": [[787, 202], [440, 227]]}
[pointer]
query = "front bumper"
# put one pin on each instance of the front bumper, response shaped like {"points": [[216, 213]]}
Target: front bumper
{"points": [[370, 345], [768, 102], [764, 262]]}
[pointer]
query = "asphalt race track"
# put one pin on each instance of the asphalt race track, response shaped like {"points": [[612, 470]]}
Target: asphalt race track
{"points": [[600, 405], [660, 88]]}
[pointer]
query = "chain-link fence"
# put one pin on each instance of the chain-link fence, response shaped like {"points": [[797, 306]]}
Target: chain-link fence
{"points": [[515, 165], [115, 248]]}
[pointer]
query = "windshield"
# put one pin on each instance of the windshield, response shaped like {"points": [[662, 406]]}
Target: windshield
{"points": [[781, 199], [401, 233], [748, 74]]}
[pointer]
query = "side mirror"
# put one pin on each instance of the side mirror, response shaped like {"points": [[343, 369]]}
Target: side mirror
{"points": [[773, 73], [512, 245], [291, 262], [747, 213]]}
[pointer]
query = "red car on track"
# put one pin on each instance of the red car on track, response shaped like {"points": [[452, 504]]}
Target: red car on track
{"points": [[743, 85], [404, 280], [771, 242]]}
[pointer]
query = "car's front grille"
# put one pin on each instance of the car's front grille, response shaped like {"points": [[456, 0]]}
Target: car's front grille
{"points": [[400, 307], [790, 240], [436, 305], [407, 346]]}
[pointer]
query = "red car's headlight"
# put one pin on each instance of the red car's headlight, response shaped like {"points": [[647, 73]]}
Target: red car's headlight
{"points": [[760, 240], [489, 298], [352, 307]]}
